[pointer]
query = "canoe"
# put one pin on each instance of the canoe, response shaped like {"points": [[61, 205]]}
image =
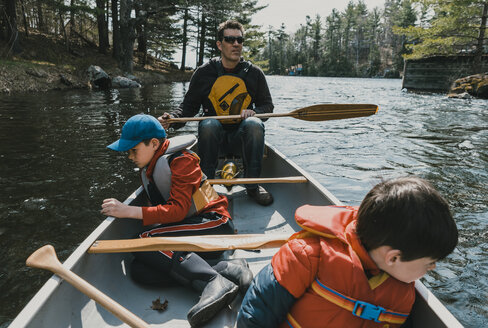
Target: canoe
{"points": [[58, 304]]}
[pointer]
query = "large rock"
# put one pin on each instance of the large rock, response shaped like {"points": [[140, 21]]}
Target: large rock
{"points": [[124, 82], [36, 72], [98, 78], [474, 85]]}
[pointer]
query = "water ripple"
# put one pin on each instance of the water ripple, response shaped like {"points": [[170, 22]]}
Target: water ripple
{"points": [[55, 169]]}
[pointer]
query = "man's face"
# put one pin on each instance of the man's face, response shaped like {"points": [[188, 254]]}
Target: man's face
{"points": [[230, 47]]}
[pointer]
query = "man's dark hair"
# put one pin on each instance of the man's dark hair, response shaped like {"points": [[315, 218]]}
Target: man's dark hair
{"points": [[229, 24], [407, 214]]}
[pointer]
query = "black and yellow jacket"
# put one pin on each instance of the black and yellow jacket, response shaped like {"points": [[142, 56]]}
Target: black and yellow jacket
{"points": [[202, 85]]}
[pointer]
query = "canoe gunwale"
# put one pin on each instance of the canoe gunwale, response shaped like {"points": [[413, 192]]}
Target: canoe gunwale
{"points": [[333, 199], [427, 300], [29, 311], [436, 305]]}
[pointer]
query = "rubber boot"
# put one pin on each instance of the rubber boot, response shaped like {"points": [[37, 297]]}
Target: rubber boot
{"points": [[147, 275], [236, 271], [216, 291]]}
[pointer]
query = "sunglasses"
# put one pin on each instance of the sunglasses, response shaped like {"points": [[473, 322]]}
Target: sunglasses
{"points": [[232, 39]]}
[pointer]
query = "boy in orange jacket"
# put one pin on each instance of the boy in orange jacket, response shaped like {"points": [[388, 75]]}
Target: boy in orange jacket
{"points": [[354, 267], [182, 203]]}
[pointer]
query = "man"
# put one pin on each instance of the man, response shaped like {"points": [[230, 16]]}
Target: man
{"points": [[227, 86]]}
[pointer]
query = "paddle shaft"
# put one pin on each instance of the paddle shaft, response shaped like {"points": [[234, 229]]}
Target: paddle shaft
{"points": [[205, 243], [227, 117], [45, 258], [257, 180], [320, 112]]}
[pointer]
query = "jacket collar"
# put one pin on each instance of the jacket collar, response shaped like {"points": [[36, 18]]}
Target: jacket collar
{"points": [[357, 246], [159, 152]]}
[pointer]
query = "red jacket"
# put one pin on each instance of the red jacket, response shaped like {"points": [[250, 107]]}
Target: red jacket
{"points": [[328, 253], [186, 176]]}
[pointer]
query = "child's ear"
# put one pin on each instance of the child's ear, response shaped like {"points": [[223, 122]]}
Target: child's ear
{"points": [[392, 256], [155, 142]]}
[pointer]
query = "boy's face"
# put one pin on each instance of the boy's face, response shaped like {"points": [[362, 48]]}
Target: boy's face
{"points": [[409, 271], [142, 154]]}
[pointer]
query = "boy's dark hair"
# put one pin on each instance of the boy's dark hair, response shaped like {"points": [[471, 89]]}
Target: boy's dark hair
{"points": [[229, 24], [147, 141], [407, 214]]}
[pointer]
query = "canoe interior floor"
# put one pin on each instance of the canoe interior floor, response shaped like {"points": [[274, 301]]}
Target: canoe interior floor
{"points": [[67, 307]]}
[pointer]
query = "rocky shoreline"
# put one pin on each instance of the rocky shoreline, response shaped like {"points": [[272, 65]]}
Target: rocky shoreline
{"points": [[19, 77], [44, 64], [470, 86]]}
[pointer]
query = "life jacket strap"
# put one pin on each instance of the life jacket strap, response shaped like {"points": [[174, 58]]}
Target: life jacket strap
{"points": [[358, 308]]}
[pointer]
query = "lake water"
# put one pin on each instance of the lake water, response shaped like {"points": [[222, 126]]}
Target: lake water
{"points": [[55, 170]]}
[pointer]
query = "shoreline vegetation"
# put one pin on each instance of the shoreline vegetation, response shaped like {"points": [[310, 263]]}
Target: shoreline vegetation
{"points": [[44, 64], [49, 45]]}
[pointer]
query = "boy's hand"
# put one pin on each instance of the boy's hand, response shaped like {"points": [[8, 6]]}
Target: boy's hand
{"points": [[163, 119], [112, 207]]}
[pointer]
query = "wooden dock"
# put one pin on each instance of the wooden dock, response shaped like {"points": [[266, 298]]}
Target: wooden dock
{"points": [[437, 73]]}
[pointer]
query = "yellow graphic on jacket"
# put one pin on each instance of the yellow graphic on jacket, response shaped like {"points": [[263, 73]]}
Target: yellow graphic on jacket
{"points": [[229, 96]]}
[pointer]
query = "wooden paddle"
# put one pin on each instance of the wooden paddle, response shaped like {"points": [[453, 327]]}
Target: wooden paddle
{"points": [[45, 258], [321, 112], [258, 180], [205, 243]]}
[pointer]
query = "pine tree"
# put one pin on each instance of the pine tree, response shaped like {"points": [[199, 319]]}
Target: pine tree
{"points": [[454, 27]]}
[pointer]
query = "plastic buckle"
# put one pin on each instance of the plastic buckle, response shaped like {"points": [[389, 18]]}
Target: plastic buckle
{"points": [[370, 311]]}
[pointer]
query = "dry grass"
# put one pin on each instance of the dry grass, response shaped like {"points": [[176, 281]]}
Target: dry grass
{"points": [[44, 58]]}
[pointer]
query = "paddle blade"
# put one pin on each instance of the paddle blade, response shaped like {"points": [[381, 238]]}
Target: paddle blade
{"points": [[325, 112]]}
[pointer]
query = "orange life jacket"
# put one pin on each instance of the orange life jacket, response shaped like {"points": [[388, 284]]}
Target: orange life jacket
{"points": [[337, 283]]}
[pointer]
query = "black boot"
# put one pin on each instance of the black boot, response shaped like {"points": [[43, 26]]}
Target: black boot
{"points": [[147, 275], [260, 196], [218, 293], [236, 271]]}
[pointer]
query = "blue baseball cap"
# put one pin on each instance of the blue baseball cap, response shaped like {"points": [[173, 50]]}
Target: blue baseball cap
{"points": [[138, 128]]}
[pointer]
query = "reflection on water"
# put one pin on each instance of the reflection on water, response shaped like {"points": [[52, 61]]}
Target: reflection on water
{"points": [[55, 169]]}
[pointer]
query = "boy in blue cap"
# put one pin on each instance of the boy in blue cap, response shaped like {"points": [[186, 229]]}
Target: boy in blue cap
{"points": [[183, 203]]}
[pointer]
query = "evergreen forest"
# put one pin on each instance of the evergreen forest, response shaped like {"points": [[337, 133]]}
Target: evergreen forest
{"points": [[357, 41]]}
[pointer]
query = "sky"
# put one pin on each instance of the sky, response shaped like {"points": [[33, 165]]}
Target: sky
{"points": [[292, 13]]}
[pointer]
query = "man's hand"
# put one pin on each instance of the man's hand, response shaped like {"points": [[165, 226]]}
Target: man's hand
{"points": [[112, 207], [247, 113], [163, 119]]}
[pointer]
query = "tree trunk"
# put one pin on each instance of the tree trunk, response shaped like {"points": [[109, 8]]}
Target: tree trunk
{"points": [[102, 27], [72, 17], [481, 38], [141, 34], [26, 26], [185, 40], [12, 31], [127, 30], [65, 35], [201, 52], [41, 25], [115, 30]]}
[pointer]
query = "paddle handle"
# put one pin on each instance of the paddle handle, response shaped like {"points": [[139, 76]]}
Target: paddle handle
{"points": [[257, 180], [205, 243], [227, 117], [45, 258]]}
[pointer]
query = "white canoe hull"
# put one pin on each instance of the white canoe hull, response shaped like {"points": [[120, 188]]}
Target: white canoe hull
{"points": [[57, 304]]}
